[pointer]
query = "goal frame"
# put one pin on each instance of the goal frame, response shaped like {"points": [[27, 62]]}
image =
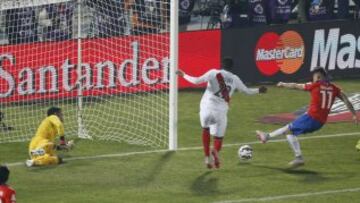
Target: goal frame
{"points": [[173, 65]]}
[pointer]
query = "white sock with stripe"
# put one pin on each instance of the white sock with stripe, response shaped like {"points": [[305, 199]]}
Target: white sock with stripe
{"points": [[294, 145], [280, 131]]}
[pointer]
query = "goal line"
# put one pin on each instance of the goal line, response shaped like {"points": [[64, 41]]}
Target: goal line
{"points": [[118, 155]]}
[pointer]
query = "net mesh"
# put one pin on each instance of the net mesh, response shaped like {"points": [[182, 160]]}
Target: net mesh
{"points": [[104, 62]]}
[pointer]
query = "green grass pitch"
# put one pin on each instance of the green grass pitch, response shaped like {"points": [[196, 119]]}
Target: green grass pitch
{"points": [[332, 164]]}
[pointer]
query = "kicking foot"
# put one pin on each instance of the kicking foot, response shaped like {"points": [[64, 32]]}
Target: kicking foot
{"points": [[263, 137], [208, 162], [297, 162], [215, 155], [29, 163]]}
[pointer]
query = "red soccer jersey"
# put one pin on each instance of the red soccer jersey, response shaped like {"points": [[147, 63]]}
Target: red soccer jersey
{"points": [[323, 95], [7, 194]]}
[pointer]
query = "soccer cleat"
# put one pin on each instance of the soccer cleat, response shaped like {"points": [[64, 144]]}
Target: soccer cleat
{"points": [[29, 163], [298, 161], [215, 155], [263, 137], [208, 162]]}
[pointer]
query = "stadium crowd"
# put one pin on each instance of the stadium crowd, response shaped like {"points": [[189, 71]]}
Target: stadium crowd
{"points": [[104, 18]]}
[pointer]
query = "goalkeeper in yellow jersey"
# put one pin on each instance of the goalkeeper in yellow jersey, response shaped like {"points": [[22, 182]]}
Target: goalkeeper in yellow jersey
{"points": [[42, 146]]}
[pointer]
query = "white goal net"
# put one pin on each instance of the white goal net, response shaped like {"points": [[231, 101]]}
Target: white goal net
{"points": [[106, 63]]}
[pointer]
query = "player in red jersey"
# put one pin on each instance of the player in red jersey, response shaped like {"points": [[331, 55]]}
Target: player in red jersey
{"points": [[323, 94], [7, 194]]}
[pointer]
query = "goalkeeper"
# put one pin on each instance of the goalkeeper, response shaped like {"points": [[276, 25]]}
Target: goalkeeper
{"points": [[42, 146]]}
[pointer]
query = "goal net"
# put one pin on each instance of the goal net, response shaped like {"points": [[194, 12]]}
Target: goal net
{"points": [[106, 63]]}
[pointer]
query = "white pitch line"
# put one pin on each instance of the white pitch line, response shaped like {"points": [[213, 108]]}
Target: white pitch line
{"points": [[282, 197], [190, 148]]}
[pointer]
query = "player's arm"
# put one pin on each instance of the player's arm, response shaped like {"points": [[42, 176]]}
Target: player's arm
{"points": [[241, 87], [195, 80], [63, 145], [349, 105], [297, 86]]}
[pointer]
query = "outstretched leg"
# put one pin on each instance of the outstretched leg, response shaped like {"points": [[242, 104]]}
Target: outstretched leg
{"points": [[264, 137]]}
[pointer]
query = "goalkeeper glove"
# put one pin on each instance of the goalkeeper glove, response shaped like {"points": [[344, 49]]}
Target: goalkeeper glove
{"points": [[65, 145]]}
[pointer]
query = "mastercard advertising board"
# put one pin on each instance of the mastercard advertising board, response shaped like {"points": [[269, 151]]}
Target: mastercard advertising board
{"points": [[290, 52]]}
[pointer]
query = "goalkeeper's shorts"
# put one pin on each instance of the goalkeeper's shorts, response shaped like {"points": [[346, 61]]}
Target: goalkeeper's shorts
{"points": [[44, 154]]}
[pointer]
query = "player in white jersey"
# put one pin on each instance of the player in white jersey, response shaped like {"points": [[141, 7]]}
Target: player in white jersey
{"points": [[214, 105]]}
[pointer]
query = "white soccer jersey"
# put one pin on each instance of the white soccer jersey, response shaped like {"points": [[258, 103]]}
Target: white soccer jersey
{"points": [[213, 105], [213, 97]]}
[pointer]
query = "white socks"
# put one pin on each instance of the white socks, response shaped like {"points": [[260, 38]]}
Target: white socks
{"points": [[294, 144], [280, 131]]}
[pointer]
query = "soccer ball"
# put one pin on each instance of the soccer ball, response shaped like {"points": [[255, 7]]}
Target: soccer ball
{"points": [[245, 152]]}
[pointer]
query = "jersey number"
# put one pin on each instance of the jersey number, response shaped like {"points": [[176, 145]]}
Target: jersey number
{"points": [[326, 99], [219, 93]]}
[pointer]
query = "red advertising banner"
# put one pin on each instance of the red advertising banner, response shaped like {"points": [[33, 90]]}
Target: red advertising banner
{"points": [[199, 52], [109, 65]]}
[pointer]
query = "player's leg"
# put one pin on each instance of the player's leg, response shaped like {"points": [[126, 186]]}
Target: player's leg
{"points": [[205, 118], [218, 133], [303, 124], [206, 141], [264, 137], [295, 146], [46, 160], [43, 155]]}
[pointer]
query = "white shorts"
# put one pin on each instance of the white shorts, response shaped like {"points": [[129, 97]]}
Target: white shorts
{"points": [[216, 120]]}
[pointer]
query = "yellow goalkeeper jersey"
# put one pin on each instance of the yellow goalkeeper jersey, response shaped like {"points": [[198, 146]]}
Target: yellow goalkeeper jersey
{"points": [[49, 128]]}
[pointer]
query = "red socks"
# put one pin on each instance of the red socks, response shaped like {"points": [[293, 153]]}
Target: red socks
{"points": [[206, 141], [217, 143]]}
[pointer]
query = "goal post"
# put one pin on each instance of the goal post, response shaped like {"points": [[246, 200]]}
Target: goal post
{"points": [[109, 64], [174, 42]]}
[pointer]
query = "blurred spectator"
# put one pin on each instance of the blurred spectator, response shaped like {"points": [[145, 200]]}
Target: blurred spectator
{"points": [[232, 15], [357, 9], [21, 25], [279, 11], [343, 9], [109, 16], [185, 9], [146, 17], [302, 11], [60, 16], [258, 12], [321, 10]]}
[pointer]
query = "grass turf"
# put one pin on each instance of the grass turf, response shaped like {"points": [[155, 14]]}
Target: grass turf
{"points": [[332, 163]]}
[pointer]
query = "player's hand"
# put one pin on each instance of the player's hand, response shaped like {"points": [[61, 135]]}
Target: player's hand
{"points": [[262, 90], [65, 146], [180, 73], [280, 84], [61, 147]]}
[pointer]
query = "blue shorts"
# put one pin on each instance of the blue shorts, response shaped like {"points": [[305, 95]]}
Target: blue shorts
{"points": [[304, 124]]}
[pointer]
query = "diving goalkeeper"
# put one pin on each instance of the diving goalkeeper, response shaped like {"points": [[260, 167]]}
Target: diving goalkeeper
{"points": [[42, 146]]}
